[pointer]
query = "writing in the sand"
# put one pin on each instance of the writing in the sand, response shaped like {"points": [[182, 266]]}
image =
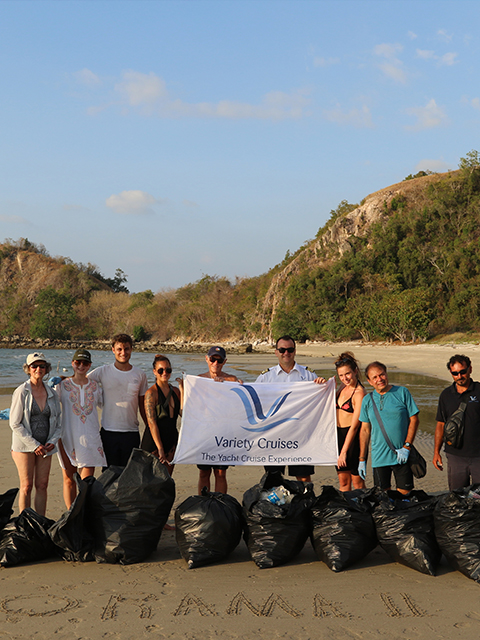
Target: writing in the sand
{"points": [[144, 606]]}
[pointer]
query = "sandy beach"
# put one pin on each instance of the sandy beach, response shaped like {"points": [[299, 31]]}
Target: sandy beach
{"points": [[162, 599]]}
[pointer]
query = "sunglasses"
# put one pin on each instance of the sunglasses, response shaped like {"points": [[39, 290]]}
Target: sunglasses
{"points": [[283, 349], [160, 370], [216, 359], [462, 372], [38, 366], [80, 362]]}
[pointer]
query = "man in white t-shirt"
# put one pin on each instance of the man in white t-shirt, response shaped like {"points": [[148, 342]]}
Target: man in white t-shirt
{"points": [[124, 388]]}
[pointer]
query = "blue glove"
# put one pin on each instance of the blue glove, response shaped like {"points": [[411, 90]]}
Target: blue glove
{"points": [[54, 381], [362, 469], [402, 455]]}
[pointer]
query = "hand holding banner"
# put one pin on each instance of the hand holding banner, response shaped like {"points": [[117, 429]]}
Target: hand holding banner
{"points": [[257, 424]]}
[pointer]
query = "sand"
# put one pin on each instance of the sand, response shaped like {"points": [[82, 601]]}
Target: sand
{"points": [[161, 598]]}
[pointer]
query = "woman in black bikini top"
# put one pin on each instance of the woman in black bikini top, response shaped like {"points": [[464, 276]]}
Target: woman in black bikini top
{"points": [[349, 402]]}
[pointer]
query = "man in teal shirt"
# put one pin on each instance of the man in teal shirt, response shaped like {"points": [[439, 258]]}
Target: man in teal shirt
{"points": [[399, 415]]}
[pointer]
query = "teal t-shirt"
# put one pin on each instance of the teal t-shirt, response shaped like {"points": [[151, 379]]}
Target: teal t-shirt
{"points": [[398, 407]]}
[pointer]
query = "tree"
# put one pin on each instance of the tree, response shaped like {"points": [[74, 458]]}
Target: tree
{"points": [[54, 316], [470, 162], [117, 283]]}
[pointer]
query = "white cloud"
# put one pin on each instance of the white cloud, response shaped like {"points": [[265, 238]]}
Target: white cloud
{"points": [[428, 117], [412, 35], [449, 58], [13, 219], [439, 166], [475, 102], [149, 94], [393, 67], [87, 77], [190, 203], [394, 71], [325, 62], [359, 118], [387, 50], [425, 54], [443, 35], [132, 202]]}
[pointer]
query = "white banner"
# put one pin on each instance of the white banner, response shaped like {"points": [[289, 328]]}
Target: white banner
{"points": [[257, 424]]}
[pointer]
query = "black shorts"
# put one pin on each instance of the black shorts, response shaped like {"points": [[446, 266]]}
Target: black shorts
{"points": [[301, 470], [118, 445], [208, 467], [353, 453], [382, 476]]}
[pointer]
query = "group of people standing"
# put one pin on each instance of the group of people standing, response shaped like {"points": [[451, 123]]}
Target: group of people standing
{"points": [[65, 421]]}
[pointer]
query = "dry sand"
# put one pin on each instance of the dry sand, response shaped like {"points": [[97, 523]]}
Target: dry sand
{"points": [[161, 599]]}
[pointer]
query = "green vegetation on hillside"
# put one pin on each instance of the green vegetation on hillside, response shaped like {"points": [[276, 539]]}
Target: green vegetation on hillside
{"points": [[413, 274]]}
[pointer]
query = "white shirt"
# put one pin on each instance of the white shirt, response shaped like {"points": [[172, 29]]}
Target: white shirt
{"points": [[277, 374], [121, 390]]}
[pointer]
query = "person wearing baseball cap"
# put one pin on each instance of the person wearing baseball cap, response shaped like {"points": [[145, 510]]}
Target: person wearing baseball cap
{"points": [[216, 358], [35, 420], [80, 447]]}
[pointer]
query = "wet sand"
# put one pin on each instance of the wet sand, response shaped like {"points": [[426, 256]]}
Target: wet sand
{"points": [[162, 599]]}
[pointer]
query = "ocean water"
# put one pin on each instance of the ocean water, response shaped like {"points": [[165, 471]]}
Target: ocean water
{"points": [[424, 389]]}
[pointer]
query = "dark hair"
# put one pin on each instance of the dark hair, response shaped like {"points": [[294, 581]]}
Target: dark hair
{"points": [[460, 359], [347, 359], [122, 338], [287, 338], [377, 364], [160, 358]]}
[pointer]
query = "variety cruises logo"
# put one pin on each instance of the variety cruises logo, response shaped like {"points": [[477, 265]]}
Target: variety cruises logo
{"points": [[254, 410]]}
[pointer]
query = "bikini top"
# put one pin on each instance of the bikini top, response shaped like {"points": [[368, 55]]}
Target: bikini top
{"points": [[348, 404]]}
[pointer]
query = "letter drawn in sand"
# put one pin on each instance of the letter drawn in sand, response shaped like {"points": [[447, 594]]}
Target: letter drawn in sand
{"points": [[323, 608], [266, 610], [395, 612], [191, 602], [111, 610], [36, 605]]}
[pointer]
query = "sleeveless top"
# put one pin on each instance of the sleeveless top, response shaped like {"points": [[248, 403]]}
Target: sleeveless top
{"points": [[40, 422], [167, 425]]}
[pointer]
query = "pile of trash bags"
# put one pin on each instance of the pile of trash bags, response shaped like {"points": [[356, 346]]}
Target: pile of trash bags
{"points": [[117, 518]]}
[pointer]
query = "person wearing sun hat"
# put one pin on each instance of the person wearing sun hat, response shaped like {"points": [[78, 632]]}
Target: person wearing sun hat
{"points": [[35, 420]]}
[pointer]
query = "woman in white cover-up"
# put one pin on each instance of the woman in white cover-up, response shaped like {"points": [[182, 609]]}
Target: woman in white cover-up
{"points": [[80, 447]]}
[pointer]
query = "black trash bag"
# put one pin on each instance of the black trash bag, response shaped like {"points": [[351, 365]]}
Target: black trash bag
{"points": [[275, 533], [6, 506], [343, 528], [128, 507], [70, 532], [25, 539], [208, 527], [405, 529], [457, 528]]}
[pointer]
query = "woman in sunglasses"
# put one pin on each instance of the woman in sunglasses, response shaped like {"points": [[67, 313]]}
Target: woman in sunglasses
{"points": [[80, 448], [35, 419], [163, 405], [349, 402]]}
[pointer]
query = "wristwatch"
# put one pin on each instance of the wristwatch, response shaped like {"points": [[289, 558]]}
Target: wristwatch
{"points": [[407, 445]]}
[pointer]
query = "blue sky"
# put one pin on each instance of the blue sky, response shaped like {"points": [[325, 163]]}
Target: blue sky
{"points": [[174, 139]]}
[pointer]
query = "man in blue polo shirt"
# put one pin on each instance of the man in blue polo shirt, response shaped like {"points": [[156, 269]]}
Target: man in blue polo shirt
{"points": [[399, 415]]}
